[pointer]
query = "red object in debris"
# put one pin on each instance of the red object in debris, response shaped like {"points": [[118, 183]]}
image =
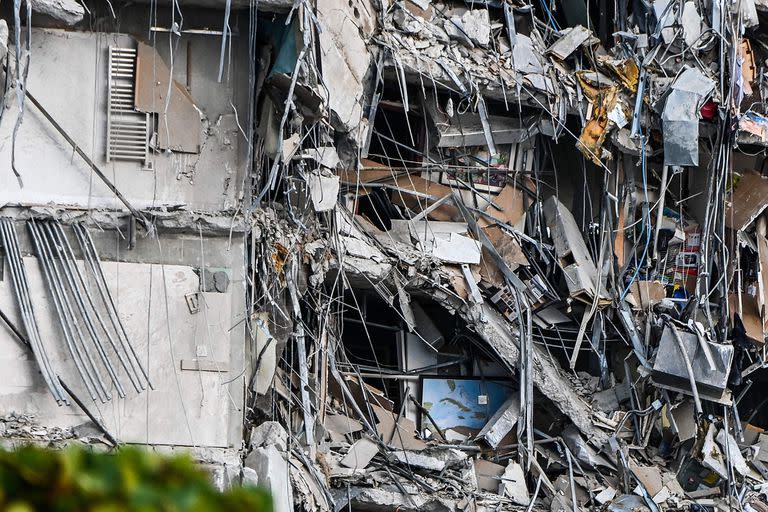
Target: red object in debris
{"points": [[708, 110]]}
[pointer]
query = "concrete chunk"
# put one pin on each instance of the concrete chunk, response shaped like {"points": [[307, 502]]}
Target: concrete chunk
{"points": [[271, 470], [360, 454], [269, 433], [501, 423], [572, 252], [435, 460], [324, 190], [513, 484], [488, 475], [68, 11], [472, 28], [342, 424], [566, 45]]}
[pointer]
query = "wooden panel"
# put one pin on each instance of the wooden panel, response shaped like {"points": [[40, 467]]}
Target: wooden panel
{"points": [[747, 202], [178, 126]]}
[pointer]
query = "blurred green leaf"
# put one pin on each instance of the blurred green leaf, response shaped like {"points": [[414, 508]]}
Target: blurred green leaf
{"points": [[133, 480]]}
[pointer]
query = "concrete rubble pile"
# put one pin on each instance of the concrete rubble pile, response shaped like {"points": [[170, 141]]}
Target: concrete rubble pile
{"points": [[487, 255], [547, 253]]}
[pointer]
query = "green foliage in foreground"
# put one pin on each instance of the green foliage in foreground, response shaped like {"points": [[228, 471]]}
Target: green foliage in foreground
{"points": [[76, 479]]}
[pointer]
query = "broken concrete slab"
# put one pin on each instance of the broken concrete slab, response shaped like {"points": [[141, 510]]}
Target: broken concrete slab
{"points": [[250, 477], [433, 460], [272, 473], [269, 433], [342, 424], [471, 28], [489, 475], [691, 21], [577, 263], [455, 248], [567, 44], [501, 423], [548, 379], [323, 189], [513, 484], [345, 60], [467, 129], [68, 11], [456, 437], [3, 39], [325, 156], [444, 240], [360, 454], [407, 21], [390, 497]]}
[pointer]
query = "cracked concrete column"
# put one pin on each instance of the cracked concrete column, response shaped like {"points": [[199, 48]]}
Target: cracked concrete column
{"points": [[548, 379]]}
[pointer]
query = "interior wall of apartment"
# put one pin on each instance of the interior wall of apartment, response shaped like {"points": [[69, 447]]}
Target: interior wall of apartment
{"points": [[186, 407], [68, 76]]}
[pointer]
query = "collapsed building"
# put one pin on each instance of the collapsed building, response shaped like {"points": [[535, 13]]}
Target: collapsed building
{"points": [[414, 255]]}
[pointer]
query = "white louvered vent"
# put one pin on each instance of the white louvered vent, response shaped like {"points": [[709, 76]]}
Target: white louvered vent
{"points": [[127, 129]]}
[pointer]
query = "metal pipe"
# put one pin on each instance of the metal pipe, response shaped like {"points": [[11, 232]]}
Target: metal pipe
{"points": [[10, 253], [16, 332], [83, 289], [660, 211], [301, 350], [19, 276], [33, 329], [538, 485], [571, 483], [103, 177], [81, 307], [394, 328], [69, 310], [429, 417], [90, 415], [25, 341], [688, 366], [78, 335], [86, 241], [116, 330], [44, 264]]}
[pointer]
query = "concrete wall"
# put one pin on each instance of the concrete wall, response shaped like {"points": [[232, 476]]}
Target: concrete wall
{"points": [[190, 408], [68, 75]]}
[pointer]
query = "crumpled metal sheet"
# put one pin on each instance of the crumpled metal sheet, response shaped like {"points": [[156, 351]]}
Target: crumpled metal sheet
{"points": [[680, 117]]}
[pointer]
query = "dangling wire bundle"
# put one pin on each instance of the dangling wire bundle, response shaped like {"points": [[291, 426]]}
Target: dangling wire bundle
{"points": [[90, 324], [21, 287]]}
